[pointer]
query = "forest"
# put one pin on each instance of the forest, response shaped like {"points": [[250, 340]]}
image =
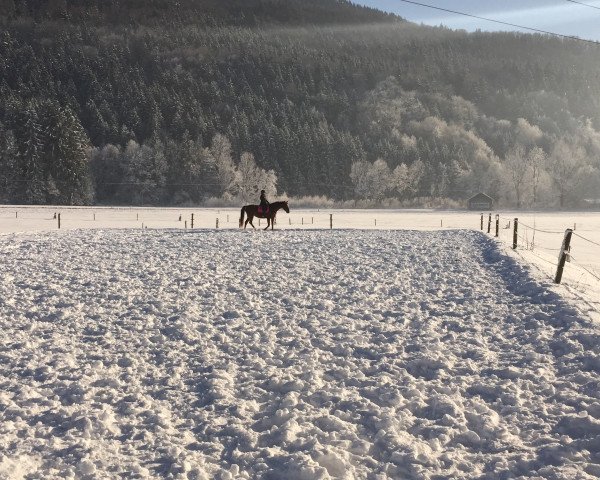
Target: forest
{"points": [[170, 103]]}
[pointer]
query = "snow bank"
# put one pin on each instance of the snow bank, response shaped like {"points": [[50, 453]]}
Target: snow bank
{"points": [[294, 354]]}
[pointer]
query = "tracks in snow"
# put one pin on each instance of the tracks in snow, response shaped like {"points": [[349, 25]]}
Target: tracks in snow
{"points": [[290, 354]]}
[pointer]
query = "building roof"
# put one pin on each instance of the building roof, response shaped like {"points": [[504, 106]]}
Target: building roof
{"points": [[481, 196]]}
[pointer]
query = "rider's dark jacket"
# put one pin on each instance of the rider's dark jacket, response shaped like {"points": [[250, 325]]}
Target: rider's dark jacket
{"points": [[263, 200]]}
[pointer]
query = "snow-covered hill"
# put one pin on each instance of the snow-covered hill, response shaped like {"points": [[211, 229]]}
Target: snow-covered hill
{"points": [[293, 355]]}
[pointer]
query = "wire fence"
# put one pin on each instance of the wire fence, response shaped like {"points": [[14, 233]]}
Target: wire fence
{"points": [[552, 250]]}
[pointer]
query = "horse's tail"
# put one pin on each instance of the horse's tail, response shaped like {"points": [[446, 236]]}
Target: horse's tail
{"points": [[242, 217]]}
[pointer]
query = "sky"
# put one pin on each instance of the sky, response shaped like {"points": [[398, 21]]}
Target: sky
{"points": [[559, 16]]}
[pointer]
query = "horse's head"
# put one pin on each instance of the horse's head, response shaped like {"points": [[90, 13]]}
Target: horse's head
{"points": [[286, 207]]}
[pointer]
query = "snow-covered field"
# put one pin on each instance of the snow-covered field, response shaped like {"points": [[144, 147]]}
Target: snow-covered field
{"points": [[538, 247], [297, 354]]}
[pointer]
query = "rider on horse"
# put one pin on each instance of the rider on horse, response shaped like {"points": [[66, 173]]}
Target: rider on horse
{"points": [[263, 199]]}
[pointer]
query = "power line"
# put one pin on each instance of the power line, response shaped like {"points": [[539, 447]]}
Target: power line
{"points": [[537, 30], [584, 4]]}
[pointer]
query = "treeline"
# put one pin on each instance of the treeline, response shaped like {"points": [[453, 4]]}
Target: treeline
{"points": [[368, 111], [247, 13]]}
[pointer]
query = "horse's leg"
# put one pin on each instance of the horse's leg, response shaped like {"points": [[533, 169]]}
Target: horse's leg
{"points": [[268, 223], [250, 220]]}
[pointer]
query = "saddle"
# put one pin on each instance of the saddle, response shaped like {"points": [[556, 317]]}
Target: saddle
{"points": [[263, 209]]}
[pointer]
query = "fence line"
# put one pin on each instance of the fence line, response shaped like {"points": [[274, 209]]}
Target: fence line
{"points": [[586, 239], [564, 252]]}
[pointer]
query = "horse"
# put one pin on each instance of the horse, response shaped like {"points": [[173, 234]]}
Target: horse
{"points": [[253, 211]]}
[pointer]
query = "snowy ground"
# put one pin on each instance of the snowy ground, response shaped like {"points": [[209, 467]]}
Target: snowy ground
{"points": [[290, 355], [539, 247]]}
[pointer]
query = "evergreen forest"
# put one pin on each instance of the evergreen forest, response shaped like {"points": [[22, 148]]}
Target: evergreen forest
{"points": [[159, 102]]}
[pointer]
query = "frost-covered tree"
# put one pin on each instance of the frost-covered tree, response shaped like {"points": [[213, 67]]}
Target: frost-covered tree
{"points": [[9, 179], [31, 164], [372, 181], [380, 179], [251, 179], [537, 161], [359, 174], [516, 164], [405, 179], [220, 151], [68, 165], [566, 166], [145, 173]]}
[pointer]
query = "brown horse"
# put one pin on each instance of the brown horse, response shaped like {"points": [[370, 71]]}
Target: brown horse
{"points": [[252, 211]]}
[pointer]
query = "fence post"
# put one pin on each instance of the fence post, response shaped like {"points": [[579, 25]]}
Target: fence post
{"points": [[290, 219], [227, 218], [16, 214], [94, 217], [515, 231], [482, 222], [564, 253], [192, 224], [217, 223], [331, 221], [59, 221], [490, 223], [497, 224], [186, 224]]}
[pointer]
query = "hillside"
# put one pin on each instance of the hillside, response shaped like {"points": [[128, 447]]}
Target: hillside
{"points": [[368, 111]]}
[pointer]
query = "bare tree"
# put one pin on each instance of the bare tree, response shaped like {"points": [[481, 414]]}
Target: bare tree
{"points": [[536, 160], [517, 166], [566, 164]]}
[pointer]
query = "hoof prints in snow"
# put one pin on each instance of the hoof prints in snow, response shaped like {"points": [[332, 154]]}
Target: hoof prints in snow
{"points": [[296, 355]]}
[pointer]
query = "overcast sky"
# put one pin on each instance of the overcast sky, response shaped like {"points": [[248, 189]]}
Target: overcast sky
{"points": [[558, 16]]}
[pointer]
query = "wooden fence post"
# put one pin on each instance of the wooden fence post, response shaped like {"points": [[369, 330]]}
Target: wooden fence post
{"points": [[16, 214], [192, 224], [186, 224], [59, 221], [497, 225], [217, 223], [482, 222], [564, 254], [331, 221], [515, 232], [490, 223]]}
